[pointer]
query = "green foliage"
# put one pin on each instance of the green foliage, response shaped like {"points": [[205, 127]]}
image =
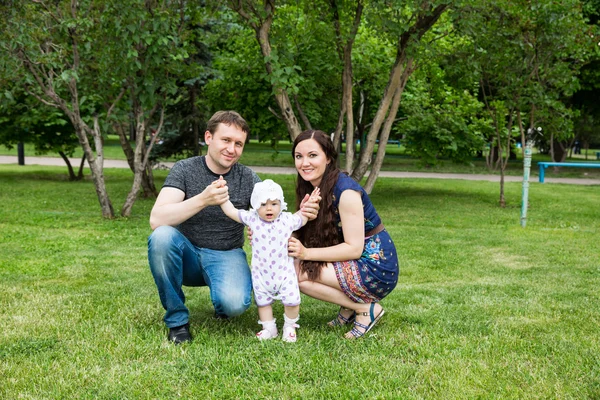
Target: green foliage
{"points": [[24, 119], [239, 84], [194, 58], [527, 53], [444, 121], [444, 126]]}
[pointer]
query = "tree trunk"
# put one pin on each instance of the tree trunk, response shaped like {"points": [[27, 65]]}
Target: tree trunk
{"points": [[125, 145], [504, 161], [261, 23], [96, 163], [559, 151], [149, 176], [138, 169], [385, 133], [412, 35], [81, 164], [96, 166], [72, 176], [384, 105], [303, 117], [345, 52], [147, 180], [281, 96], [141, 153]]}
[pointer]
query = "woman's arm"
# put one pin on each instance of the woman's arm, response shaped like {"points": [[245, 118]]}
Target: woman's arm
{"points": [[353, 226]]}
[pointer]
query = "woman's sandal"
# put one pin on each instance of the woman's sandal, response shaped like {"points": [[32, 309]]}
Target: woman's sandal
{"points": [[340, 320], [355, 333]]}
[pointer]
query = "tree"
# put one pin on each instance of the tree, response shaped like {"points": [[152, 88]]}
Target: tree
{"points": [[260, 19], [145, 52], [46, 44], [22, 120], [344, 43], [526, 56], [104, 64], [404, 25], [441, 121], [407, 26]]}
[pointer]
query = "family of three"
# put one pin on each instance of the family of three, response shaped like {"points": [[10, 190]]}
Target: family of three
{"points": [[339, 252]]}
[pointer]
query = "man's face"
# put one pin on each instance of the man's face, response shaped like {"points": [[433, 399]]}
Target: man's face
{"points": [[224, 147]]}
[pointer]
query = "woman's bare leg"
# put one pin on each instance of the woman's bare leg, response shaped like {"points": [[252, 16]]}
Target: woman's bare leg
{"points": [[327, 288]]}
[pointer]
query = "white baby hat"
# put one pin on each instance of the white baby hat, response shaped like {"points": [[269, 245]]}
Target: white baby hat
{"points": [[267, 190]]}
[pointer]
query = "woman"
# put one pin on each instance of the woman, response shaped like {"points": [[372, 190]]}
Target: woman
{"points": [[346, 256]]}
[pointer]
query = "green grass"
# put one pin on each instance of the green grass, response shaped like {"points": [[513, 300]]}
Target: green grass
{"points": [[483, 309], [262, 154]]}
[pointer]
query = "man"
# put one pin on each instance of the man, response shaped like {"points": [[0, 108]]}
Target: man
{"points": [[194, 243]]}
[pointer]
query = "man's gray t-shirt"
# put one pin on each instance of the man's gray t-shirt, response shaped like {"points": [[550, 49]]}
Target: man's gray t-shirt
{"points": [[211, 228]]}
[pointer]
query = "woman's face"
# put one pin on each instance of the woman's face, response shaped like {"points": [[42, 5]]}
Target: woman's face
{"points": [[311, 161]]}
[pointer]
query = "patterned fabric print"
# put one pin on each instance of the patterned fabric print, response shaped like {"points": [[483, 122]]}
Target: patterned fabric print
{"points": [[273, 272], [351, 281], [372, 249]]}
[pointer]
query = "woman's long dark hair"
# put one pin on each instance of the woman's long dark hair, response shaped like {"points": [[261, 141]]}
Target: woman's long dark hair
{"points": [[322, 231]]}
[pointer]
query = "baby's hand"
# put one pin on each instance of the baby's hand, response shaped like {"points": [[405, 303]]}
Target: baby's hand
{"points": [[310, 204], [220, 182], [316, 195]]}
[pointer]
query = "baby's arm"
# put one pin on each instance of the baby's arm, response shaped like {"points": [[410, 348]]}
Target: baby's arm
{"points": [[228, 207], [313, 197], [230, 210]]}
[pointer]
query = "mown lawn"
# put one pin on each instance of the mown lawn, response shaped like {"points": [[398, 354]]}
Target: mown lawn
{"points": [[484, 308]]}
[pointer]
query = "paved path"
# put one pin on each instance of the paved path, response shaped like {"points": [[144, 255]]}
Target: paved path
{"points": [[285, 170]]}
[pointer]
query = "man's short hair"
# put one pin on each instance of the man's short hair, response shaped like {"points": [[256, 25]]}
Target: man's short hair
{"points": [[227, 118]]}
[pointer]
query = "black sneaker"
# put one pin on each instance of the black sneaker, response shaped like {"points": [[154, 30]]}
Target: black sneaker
{"points": [[180, 334], [220, 316]]}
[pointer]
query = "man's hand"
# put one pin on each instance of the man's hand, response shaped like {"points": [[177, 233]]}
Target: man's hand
{"points": [[216, 193], [309, 206]]}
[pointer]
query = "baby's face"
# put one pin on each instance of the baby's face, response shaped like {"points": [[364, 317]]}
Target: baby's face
{"points": [[270, 210]]}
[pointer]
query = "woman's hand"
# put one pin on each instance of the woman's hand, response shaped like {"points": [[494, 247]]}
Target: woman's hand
{"points": [[249, 234], [296, 249]]}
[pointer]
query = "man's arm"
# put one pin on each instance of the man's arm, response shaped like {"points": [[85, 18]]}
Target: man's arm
{"points": [[171, 208]]}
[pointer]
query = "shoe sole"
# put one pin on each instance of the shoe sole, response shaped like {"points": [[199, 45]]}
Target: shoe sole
{"points": [[375, 321]]}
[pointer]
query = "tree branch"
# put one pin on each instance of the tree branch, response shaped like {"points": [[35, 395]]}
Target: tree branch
{"points": [[41, 99], [110, 109], [43, 4], [154, 137], [275, 114]]}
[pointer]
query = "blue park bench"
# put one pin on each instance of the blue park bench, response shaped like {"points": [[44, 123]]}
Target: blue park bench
{"points": [[544, 165], [391, 142], [397, 142]]}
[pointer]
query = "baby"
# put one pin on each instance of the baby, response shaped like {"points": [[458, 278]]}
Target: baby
{"points": [[273, 272]]}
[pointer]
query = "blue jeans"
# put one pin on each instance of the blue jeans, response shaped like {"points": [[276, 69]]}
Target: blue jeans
{"points": [[175, 262]]}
